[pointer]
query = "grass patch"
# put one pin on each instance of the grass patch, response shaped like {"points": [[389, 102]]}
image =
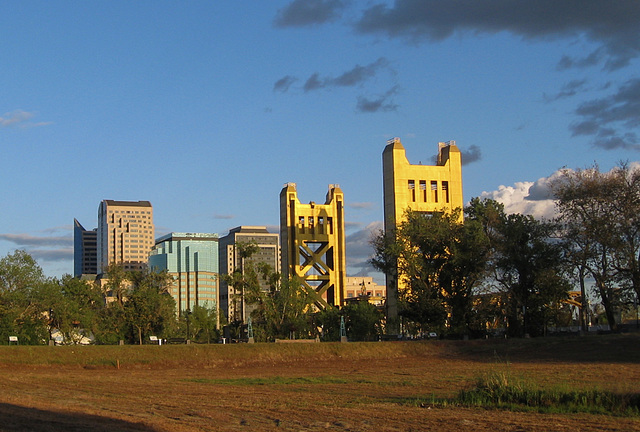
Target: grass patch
{"points": [[500, 390]]}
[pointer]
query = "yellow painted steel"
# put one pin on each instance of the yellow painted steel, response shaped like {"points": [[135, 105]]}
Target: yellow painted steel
{"points": [[421, 188], [313, 243]]}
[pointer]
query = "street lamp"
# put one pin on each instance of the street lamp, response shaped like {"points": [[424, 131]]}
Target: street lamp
{"points": [[187, 312]]}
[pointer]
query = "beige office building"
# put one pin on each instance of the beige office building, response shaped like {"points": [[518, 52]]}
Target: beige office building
{"points": [[126, 234]]}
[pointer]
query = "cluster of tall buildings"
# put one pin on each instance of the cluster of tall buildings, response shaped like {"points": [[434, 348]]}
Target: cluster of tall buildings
{"points": [[310, 245]]}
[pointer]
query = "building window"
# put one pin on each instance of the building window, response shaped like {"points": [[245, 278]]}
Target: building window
{"points": [[434, 191], [412, 190], [445, 191], [423, 190]]}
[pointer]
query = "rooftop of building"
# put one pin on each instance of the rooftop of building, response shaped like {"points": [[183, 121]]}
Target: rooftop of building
{"points": [[177, 236], [127, 203], [245, 229]]}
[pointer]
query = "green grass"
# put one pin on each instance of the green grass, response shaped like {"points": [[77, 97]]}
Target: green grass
{"points": [[500, 390]]}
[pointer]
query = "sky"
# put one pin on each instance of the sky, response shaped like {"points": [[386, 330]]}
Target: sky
{"points": [[206, 109]]}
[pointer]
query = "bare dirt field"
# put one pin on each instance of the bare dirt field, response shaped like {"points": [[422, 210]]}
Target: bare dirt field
{"points": [[383, 386]]}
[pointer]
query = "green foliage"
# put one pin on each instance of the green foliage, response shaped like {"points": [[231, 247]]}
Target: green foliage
{"points": [[203, 323], [363, 321], [501, 390], [282, 312], [439, 263], [141, 307], [327, 322], [527, 263], [600, 216], [21, 278], [244, 282], [149, 308]]}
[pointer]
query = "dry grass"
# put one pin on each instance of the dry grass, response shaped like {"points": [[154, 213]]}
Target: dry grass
{"points": [[327, 386]]}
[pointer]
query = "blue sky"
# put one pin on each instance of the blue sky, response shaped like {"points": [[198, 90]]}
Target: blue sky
{"points": [[206, 109]]}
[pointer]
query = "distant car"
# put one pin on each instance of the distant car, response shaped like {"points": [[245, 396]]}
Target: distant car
{"points": [[433, 335]]}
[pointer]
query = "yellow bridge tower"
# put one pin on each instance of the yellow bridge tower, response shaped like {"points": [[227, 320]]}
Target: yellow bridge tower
{"points": [[313, 243], [421, 188]]}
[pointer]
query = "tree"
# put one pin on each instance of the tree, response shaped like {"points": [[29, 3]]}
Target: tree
{"points": [[243, 279], [529, 267], [75, 307], [203, 324], [363, 321], [327, 323], [149, 308], [20, 279], [439, 263], [600, 215], [284, 311], [527, 263]]}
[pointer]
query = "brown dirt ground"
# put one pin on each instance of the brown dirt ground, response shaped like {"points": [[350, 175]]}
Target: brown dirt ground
{"points": [[343, 394]]}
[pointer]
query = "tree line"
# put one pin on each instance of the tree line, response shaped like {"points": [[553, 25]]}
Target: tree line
{"points": [[512, 271], [131, 306]]}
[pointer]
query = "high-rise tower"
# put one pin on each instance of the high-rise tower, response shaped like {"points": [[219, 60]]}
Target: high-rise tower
{"points": [[232, 302], [192, 260], [85, 254], [125, 234]]}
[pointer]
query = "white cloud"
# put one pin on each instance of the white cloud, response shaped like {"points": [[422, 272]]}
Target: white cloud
{"points": [[20, 119], [516, 199]]}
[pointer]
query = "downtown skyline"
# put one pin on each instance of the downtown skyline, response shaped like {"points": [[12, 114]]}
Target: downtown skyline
{"points": [[206, 110]]}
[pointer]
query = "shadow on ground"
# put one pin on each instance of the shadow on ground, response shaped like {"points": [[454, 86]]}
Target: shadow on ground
{"points": [[593, 349], [18, 418]]}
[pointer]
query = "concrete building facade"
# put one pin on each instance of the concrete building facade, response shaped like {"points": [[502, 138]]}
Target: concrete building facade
{"points": [[313, 243], [356, 286], [125, 234], [85, 250], [192, 260], [232, 303], [421, 188]]}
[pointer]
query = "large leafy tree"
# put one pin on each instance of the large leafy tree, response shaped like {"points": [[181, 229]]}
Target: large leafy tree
{"points": [[20, 314], [600, 216], [363, 321], [71, 306], [439, 263], [203, 322], [149, 308], [284, 310], [526, 262], [243, 280]]}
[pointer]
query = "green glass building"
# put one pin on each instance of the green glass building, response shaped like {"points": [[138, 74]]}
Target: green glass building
{"points": [[192, 260]]}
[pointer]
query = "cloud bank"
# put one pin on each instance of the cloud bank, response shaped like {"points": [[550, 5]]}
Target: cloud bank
{"points": [[603, 118], [43, 248], [611, 25], [302, 13]]}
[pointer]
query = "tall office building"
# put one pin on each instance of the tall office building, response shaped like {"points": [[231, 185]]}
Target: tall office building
{"points": [[192, 260], [313, 243], [421, 188], [232, 303], [85, 253], [125, 234]]}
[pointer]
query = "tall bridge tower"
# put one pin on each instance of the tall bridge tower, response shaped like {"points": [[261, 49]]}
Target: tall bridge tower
{"points": [[420, 188], [313, 243]]}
